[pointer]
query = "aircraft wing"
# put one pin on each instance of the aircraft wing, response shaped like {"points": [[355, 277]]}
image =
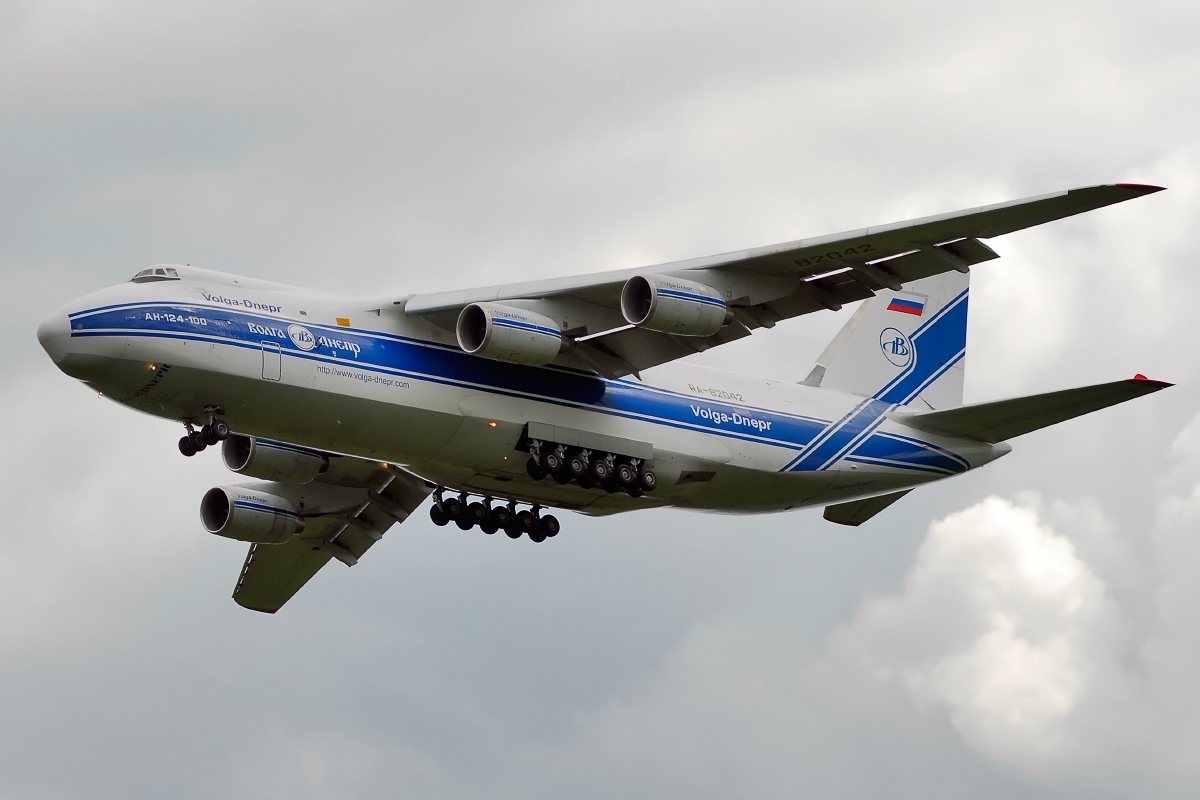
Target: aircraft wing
{"points": [[764, 285], [272, 573]]}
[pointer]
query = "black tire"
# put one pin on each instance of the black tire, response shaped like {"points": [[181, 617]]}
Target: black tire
{"points": [[501, 517], [562, 478], [186, 447], [221, 428], [489, 527], [537, 536], [535, 469], [552, 462], [549, 526], [601, 471], [625, 474], [209, 435], [526, 521], [477, 513], [577, 467], [634, 491], [198, 441], [648, 480], [587, 482], [512, 532], [438, 516], [465, 522], [454, 507]]}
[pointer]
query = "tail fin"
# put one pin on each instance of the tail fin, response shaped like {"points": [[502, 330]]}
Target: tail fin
{"points": [[903, 347]]}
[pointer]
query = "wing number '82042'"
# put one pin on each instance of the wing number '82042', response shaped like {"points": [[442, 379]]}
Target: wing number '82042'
{"points": [[834, 255]]}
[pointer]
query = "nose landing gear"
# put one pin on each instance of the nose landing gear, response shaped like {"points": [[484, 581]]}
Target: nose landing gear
{"points": [[214, 431]]}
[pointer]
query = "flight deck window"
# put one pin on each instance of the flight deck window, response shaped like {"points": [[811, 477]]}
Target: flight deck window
{"points": [[155, 274]]}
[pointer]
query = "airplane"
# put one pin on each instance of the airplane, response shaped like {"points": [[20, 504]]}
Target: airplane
{"points": [[503, 401]]}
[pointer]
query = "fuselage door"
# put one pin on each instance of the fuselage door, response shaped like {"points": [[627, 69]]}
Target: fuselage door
{"points": [[272, 361]]}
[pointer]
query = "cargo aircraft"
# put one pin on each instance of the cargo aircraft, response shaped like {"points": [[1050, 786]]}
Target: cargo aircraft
{"points": [[504, 401]]}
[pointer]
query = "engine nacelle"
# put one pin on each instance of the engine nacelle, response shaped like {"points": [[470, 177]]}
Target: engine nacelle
{"points": [[249, 515], [272, 461], [504, 333], [671, 305]]}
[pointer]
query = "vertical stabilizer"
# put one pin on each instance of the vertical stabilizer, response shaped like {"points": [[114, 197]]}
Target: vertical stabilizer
{"points": [[905, 347]]}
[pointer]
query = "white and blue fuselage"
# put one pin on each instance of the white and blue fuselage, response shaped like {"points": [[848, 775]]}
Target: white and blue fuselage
{"points": [[361, 378]]}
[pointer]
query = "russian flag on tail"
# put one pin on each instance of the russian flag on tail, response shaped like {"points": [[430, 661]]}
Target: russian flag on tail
{"points": [[908, 304]]}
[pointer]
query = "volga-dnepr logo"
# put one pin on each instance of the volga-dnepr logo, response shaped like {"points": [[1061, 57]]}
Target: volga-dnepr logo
{"points": [[302, 337], [896, 347]]}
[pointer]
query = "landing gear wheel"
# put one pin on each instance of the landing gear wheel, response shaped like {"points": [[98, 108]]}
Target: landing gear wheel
{"points": [[587, 482], [634, 491], [488, 527], [477, 513], [576, 466], [601, 471], [537, 536], [562, 477], [512, 532], [548, 525], [209, 435], [453, 507], [438, 516], [186, 447], [626, 476], [501, 517], [220, 428], [648, 480], [197, 441], [464, 522], [534, 469], [552, 462], [526, 521]]}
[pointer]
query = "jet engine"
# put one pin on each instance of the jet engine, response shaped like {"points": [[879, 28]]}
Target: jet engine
{"points": [[504, 333], [671, 305], [272, 461], [249, 515]]}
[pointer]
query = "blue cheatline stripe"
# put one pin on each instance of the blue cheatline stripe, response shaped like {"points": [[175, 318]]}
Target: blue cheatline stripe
{"points": [[408, 357], [695, 298], [264, 508], [503, 322], [893, 439], [884, 462]]}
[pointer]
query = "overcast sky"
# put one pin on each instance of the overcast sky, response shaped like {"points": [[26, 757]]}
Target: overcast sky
{"points": [[1029, 630]]}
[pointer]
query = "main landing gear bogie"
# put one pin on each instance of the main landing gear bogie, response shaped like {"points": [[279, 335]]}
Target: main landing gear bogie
{"points": [[213, 432], [481, 514], [589, 469]]}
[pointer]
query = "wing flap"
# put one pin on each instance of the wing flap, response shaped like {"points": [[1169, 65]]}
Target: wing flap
{"points": [[1005, 419]]}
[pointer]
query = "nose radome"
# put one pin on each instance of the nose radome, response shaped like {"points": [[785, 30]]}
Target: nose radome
{"points": [[55, 334]]}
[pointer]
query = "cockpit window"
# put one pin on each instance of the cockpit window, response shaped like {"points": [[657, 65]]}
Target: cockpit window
{"points": [[155, 274]]}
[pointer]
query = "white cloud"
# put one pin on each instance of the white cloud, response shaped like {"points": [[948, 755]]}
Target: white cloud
{"points": [[995, 622]]}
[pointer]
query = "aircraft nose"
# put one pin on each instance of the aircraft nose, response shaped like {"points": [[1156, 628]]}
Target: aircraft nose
{"points": [[55, 336]]}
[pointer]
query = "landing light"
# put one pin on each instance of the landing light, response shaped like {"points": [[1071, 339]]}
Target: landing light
{"points": [[492, 424], [152, 367]]}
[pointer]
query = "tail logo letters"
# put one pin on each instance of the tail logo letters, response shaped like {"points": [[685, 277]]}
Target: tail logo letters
{"points": [[896, 347]]}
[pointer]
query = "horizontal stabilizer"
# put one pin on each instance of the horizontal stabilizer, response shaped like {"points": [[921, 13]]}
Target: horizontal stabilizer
{"points": [[859, 511], [1004, 419]]}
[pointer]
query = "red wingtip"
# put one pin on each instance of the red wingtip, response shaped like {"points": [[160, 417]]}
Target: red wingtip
{"points": [[1140, 378], [1144, 188]]}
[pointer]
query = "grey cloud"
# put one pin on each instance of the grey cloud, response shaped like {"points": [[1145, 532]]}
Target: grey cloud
{"points": [[408, 147]]}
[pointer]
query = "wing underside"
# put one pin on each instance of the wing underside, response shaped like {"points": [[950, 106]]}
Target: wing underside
{"points": [[376, 496]]}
